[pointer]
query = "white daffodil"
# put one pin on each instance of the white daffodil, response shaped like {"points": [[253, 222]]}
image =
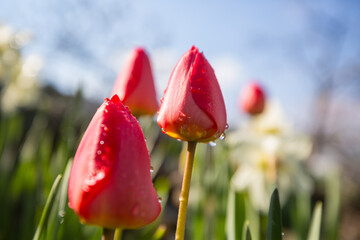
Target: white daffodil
{"points": [[268, 153]]}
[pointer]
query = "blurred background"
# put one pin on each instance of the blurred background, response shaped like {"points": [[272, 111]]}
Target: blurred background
{"points": [[59, 59]]}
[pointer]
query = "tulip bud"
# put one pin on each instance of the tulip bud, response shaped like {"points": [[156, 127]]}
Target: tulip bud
{"points": [[193, 107], [252, 99], [110, 183], [135, 84]]}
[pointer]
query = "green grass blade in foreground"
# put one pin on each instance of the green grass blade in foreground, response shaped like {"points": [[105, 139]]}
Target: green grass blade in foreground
{"points": [[41, 229], [62, 199], [246, 231], [274, 225], [235, 215], [314, 232]]}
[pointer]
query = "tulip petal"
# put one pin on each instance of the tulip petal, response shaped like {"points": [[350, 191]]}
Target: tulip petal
{"points": [[193, 108], [135, 84], [110, 183]]}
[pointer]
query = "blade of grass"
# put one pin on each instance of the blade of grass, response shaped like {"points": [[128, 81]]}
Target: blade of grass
{"points": [[274, 225], [314, 232], [62, 199], [235, 215], [41, 229], [246, 231]]}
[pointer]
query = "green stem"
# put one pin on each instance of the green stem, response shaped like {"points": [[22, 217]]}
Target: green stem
{"points": [[118, 234], [108, 234], [184, 196]]}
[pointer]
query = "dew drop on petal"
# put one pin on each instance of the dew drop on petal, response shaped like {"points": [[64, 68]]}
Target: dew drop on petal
{"points": [[101, 142], [135, 210], [98, 152], [212, 144], [86, 188], [151, 169], [163, 130], [159, 199], [222, 136], [227, 126]]}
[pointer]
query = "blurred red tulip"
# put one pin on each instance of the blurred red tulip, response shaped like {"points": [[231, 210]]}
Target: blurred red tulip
{"points": [[252, 99], [193, 107], [110, 183], [135, 84]]}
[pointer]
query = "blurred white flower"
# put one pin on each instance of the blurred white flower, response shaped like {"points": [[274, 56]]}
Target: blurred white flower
{"points": [[266, 153]]}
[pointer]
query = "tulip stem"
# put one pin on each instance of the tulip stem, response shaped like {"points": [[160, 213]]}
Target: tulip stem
{"points": [[118, 234], [108, 234], [184, 196]]}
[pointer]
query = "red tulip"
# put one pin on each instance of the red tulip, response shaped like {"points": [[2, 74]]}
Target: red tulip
{"points": [[193, 107], [252, 99], [135, 84], [110, 183]]}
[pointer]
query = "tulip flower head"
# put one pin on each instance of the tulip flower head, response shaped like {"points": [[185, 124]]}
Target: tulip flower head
{"points": [[193, 108], [135, 84], [110, 183], [252, 99]]}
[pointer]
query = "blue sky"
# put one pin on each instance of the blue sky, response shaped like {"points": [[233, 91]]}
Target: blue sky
{"points": [[84, 43]]}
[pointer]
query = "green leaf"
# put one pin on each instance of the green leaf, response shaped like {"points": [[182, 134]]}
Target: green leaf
{"points": [[41, 229], [246, 231], [333, 204], [274, 225], [235, 216], [314, 232], [62, 200]]}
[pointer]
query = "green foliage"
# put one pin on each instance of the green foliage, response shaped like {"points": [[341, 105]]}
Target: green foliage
{"points": [[42, 226], [274, 226], [314, 233]]}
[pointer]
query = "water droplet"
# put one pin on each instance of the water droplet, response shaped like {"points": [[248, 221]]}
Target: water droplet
{"points": [[61, 213], [106, 111], [85, 188], [163, 130], [227, 126], [106, 128], [182, 114], [100, 175], [145, 139], [212, 144], [101, 142], [222, 136], [135, 210], [151, 169], [90, 182], [98, 152], [159, 199]]}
